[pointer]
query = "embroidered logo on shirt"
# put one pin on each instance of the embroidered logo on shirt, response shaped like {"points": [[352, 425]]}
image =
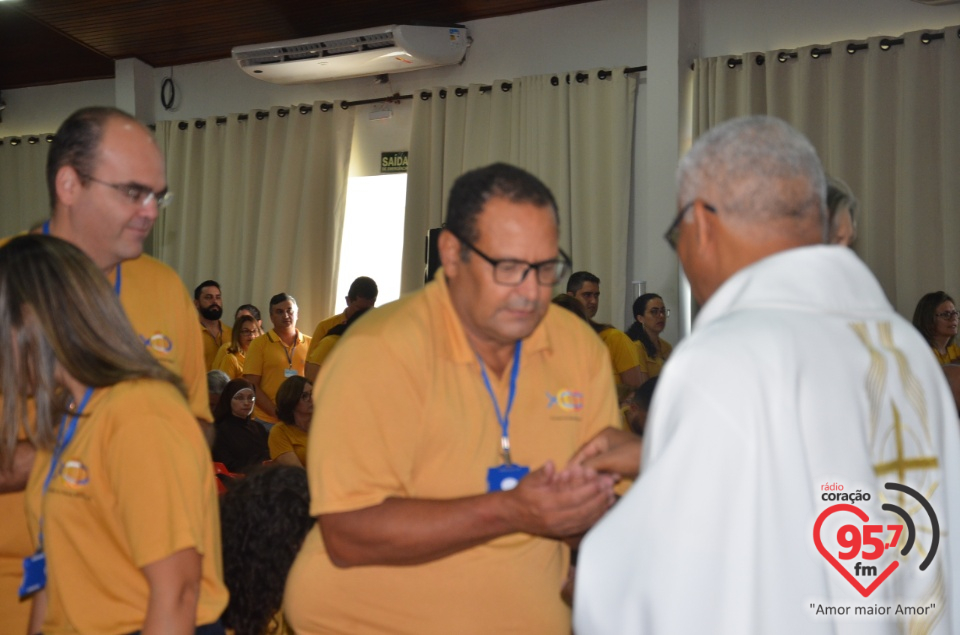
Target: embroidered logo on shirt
{"points": [[74, 473], [158, 342], [567, 400]]}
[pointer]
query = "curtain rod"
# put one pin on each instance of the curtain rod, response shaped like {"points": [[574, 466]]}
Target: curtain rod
{"points": [[424, 95], [505, 87], [819, 51]]}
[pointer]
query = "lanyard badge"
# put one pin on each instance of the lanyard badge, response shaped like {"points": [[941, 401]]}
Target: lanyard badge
{"points": [[506, 476], [35, 566]]}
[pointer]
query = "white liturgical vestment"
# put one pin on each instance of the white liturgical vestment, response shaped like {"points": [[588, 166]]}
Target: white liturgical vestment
{"points": [[774, 431]]}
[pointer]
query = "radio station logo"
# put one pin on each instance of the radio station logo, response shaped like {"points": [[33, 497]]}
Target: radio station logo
{"points": [[867, 550]]}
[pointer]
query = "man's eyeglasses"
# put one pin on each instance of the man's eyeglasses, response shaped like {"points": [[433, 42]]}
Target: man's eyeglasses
{"points": [[673, 233], [512, 273], [137, 194], [948, 315]]}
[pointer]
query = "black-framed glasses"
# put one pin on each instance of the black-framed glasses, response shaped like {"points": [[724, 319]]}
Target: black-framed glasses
{"points": [[511, 272], [673, 233], [657, 312], [137, 194], [948, 315]]}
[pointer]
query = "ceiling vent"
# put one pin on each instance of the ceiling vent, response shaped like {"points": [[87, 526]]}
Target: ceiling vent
{"points": [[388, 49]]}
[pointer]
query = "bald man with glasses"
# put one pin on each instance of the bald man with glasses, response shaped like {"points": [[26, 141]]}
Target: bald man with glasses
{"points": [[107, 184], [442, 425]]}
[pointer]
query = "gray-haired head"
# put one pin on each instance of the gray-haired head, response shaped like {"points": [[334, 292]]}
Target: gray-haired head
{"points": [[842, 206], [760, 171]]}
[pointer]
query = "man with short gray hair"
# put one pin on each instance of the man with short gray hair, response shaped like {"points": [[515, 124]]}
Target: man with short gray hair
{"points": [[799, 388]]}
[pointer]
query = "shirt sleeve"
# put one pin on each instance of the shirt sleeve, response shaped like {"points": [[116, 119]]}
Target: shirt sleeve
{"points": [[623, 352], [279, 441], [161, 472], [193, 370]]}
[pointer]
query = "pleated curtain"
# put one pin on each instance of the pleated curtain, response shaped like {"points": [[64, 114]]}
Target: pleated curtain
{"points": [[259, 205], [885, 118], [23, 185], [575, 133]]}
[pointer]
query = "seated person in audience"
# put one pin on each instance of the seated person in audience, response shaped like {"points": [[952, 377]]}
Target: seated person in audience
{"points": [[288, 439], [651, 318], [936, 319], [216, 382], [318, 353], [276, 355], [362, 294], [232, 354], [265, 518], [842, 211], [623, 353], [636, 405], [240, 442]]}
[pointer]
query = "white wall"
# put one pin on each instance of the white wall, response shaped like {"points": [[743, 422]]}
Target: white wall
{"points": [[41, 109]]}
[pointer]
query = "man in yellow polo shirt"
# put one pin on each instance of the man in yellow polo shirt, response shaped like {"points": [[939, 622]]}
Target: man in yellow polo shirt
{"points": [[277, 354], [440, 434], [362, 294], [107, 182], [209, 303]]}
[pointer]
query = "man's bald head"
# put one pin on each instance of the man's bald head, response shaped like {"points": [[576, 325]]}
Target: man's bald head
{"points": [[761, 172], [77, 142]]}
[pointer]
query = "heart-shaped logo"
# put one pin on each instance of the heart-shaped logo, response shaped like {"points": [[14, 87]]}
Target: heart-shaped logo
{"points": [[862, 515]]}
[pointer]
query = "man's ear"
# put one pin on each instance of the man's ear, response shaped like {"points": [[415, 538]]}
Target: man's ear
{"points": [[68, 185], [449, 248], [705, 226]]}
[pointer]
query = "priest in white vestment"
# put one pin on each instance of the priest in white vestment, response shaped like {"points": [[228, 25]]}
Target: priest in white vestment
{"points": [[800, 394]]}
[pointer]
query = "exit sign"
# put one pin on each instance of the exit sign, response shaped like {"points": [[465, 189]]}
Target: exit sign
{"points": [[393, 162]]}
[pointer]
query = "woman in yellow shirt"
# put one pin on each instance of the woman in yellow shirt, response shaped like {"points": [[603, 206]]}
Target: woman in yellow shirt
{"points": [[121, 501], [288, 439], [231, 355], [936, 318], [651, 318]]}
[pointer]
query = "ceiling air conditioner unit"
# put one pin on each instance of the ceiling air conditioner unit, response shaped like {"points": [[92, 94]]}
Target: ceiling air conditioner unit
{"points": [[387, 49]]}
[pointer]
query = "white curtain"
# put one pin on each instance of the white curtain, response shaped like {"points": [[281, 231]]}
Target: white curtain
{"points": [[576, 135], [885, 119], [23, 183], [258, 205]]}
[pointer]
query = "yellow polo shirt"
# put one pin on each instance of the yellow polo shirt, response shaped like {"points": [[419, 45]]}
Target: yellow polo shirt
{"points": [[287, 438], [270, 358], [163, 315], [211, 344], [318, 354], [623, 352], [402, 410], [136, 486], [653, 365], [230, 363], [322, 328], [952, 356]]}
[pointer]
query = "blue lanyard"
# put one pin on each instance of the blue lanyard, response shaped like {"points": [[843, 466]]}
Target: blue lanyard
{"points": [[64, 436], [116, 284], [504, 419]]}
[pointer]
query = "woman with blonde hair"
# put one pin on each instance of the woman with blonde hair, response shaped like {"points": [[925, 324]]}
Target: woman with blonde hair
{"points": [[230, 357], [121, 502]]}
